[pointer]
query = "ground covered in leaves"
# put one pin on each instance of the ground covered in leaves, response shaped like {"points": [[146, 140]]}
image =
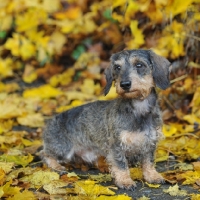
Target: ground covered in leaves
{"points": [[52, 59]]}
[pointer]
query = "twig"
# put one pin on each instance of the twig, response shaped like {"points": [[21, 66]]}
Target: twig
{"points": [[179, 78]]}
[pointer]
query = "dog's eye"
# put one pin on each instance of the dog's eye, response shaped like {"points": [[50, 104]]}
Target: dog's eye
{"points": [[139, 65], [117, 67]]}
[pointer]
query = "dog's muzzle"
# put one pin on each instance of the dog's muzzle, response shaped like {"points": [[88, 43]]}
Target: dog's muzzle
{"points": [[125, 85]]}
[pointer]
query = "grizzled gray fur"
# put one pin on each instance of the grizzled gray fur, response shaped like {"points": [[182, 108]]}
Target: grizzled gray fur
{"points": [[124, 129]]}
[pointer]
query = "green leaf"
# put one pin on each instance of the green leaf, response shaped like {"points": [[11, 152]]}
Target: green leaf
{"points": [[78, 51], [3, 34]]}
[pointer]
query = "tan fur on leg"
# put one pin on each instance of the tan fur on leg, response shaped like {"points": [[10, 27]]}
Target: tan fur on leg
{"points": [[150, 174], [52, 163], [122, 178]]}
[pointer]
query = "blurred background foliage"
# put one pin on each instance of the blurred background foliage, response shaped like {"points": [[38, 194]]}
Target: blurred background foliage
{"points": [[52, 57]]}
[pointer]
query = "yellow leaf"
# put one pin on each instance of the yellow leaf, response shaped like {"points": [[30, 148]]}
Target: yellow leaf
{"points": [[67, 26], [179, 6], [161, 155], [2, 176], [64, 79], [32, 120], [88, 86], [152, 185], [101, 177], [8, 190], [118, 197], [144, 198], [74, 103], [137, 34], [90, 188], [40, 178], [184, 166], [6, 22], [51, 7], [6, 166], [195, 196], [30, 19], [29, 74], [13, 44], [6, 67], [27, 49], [175, 191], [17, 159], [5, 125], [58, 40], [55, 187], [9, 110], [117, 3], [15, 173], [25, 195], [196, 166], [191, 177], [111, 95], [71, 95], [44, 91], [71, 13], [136, 173], [192, 119], [169, 130]]}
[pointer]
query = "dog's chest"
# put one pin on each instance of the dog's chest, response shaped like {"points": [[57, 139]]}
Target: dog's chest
{"points": [[137, 141], [141, 107]]}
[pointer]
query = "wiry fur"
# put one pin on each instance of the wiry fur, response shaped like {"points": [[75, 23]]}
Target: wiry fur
{"points": [[126, 128]]}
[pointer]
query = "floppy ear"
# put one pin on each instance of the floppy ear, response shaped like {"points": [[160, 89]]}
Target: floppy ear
{"points": [[161, 70], [109, 80]]}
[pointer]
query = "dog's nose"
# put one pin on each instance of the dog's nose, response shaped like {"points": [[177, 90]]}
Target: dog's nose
{"points": [[125, 85]]}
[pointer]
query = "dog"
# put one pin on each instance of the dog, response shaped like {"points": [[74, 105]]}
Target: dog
{"points": [[122, 130]]}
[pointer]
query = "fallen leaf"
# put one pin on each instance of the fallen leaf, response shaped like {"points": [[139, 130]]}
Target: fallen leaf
{"points": [[24, 195], [17, 159], [91, 188], [118, 197], [175, 191], [6, 166], [152, 185], [56, 187], [40, 178], [32, 120], [44, 91]]}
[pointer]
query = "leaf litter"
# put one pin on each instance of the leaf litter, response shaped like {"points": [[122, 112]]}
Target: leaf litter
{"points": [[36, 82]]}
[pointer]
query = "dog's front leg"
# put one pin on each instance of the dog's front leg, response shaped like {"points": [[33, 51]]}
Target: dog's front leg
{"points": [[119, 169], [149, 172]]}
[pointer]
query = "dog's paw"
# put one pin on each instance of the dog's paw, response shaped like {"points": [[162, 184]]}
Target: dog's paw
{"points": [[154, 177], [127, 184]]}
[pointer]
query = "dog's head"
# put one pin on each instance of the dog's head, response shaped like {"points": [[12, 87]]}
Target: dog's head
{"points": [[135, 72]]}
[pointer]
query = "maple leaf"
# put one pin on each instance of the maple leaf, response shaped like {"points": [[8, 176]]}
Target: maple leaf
{"points": [[7, 190], [30, 19], [23, 196], [90, 188], [40, 178], [56, 187], [17, 159], [175, 191], [6, 166]]}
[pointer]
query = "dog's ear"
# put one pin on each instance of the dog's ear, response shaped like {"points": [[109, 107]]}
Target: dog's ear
{"points": [[109, 80], [161, 70]]}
